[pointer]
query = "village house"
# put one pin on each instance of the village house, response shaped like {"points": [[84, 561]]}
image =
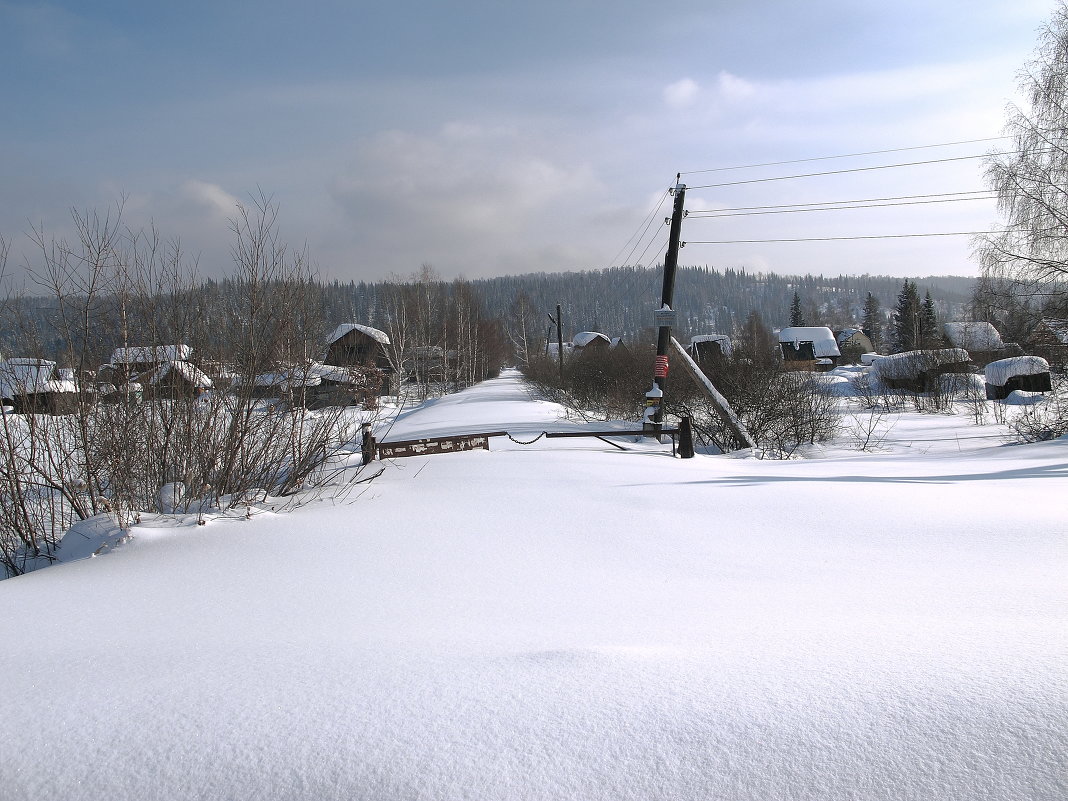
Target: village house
{"points": [[36, 386], [1049, 339], [853, 343], [353, 345]]}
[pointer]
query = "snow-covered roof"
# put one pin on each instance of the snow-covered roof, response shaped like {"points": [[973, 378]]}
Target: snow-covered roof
{"points": [[998, 373], [151, 354], [973, 336], [913, 362], [584, 338], [31, 376], [1058, 327], [190, 372], [301, 375], [822, 338], [348, 328]]}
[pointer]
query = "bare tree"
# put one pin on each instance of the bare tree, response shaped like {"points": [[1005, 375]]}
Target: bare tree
{"points": [[1029, 255]]}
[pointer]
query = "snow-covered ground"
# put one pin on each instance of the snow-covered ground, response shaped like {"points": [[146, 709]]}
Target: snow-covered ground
{"points": [[565, 620]]}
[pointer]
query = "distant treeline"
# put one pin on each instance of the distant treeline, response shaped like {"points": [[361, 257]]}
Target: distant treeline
{"points": [[617, 301]]}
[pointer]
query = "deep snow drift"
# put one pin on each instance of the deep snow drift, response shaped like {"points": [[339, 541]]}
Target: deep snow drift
{"points": [[568, 621]]}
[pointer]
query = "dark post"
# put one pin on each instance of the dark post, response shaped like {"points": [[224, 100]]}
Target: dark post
{"points": [[685, 438], [368, 443], [654, 398], [559, 342]]}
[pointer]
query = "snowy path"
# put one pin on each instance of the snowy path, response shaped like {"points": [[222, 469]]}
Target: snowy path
{"points": [[567, 622]]}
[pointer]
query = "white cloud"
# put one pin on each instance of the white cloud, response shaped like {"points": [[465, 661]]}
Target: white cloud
{"points": [[210, 197], [681, 93], [732, 87]]}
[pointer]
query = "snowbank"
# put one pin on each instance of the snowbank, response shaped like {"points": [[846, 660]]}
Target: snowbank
{"points": [[608, 626]]}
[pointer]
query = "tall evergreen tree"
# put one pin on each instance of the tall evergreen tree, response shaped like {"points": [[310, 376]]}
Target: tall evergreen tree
{"points": [[797, 317], [905, 326], [930, 336], [872, 320]]}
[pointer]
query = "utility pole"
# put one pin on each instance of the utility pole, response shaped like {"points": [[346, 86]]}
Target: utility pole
{"points": [[652, 424], [559, 342]]}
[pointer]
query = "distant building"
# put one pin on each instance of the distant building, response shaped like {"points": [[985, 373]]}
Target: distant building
{"points": [[590, 342], [808, 348], [920, 370], [35, 386], [708, 348], [981, 340], [853, 343], [355, 345], [1049, 339]]}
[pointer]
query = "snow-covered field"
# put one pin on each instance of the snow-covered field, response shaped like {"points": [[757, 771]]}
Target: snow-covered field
{"points": [[565, 620]]}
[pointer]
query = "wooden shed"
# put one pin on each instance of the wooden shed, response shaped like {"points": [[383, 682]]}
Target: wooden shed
{"points": [[808, 348], [707, 349], [1024, 373], [920, 370]]}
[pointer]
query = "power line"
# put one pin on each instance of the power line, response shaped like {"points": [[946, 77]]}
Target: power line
{"points": [[839, 172], [845, 155], [833, 238], [642, 230], [716, 215], [854, 200]]}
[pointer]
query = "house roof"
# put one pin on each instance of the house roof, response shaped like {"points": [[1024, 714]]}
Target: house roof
{"points": [[31, 376], [348, 328], [973, 336], [584, 338], [191, 373], [722, 340]]}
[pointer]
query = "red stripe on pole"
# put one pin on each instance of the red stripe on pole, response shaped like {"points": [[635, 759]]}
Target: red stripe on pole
{"points": [[661, 368]]}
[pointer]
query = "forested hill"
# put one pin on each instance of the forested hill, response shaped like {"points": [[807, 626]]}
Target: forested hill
{"points": [[620, 301]]}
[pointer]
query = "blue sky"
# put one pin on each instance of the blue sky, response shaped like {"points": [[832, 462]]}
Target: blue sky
{"points": [[489, 137]]}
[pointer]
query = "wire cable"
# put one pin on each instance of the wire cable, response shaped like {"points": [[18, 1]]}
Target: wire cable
{"points": [[854, 200], [716, 215], [834, 238], [838, 172], [846, 155]]}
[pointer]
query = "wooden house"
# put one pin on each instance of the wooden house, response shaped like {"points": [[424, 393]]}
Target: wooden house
{"points": [[920, 370], [355, 345], [590, 342], [174, 380], [853, 343], [1049, 340], [35, 386], [811, 348]]}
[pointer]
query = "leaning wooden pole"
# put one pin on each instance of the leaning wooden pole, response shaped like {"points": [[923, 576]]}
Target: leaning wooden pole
{"points": [[654, 399], [719, 403]]}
